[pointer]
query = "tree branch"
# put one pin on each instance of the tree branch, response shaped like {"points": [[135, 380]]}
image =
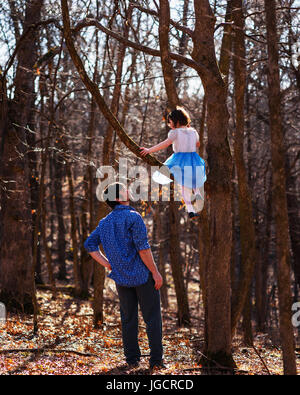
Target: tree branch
{"points": [[94, 90], [154, 52], [184, 29], [20, 41]]}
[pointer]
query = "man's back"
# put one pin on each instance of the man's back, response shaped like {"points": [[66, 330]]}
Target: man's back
{"points": [[122, 234]]}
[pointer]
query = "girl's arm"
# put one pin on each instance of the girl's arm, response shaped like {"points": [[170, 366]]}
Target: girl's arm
{"points": [[164, 144]]}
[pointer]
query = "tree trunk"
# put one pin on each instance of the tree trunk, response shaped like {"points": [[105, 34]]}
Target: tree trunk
{"points": [[159, 234], [183, 314], [226, 47], [279, 194], [167, 67], [173, 100], [218, 342], [89, 201], [114, 107], [74, 237], [262, 271], [99, 277], [99, 274], [183, 43], [247, 322], [17, 273], [47, 251], [293, 205], [58, 177], [204, 243], [247, 231], [86, 267]]}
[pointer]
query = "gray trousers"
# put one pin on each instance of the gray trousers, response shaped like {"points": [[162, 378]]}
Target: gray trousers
{"points": [[148, 298]]}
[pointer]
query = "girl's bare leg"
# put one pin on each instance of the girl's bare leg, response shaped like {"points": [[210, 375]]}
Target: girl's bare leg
{"points": [[199, 198], [199, 193], [186, 194]]}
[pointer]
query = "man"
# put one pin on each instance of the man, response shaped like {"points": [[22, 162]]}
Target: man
{"points": [[123, 236]]}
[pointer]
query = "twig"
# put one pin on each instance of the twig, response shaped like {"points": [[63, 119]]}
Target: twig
{"points": [[260, 357], [42, 350], [212, 368]]}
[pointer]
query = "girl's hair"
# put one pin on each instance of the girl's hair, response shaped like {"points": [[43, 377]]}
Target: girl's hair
{"points": [[179, 116]]}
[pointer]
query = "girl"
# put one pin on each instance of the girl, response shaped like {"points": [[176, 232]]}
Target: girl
{"points": [[185, 164]]}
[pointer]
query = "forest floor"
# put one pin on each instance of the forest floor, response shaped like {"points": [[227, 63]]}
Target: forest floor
{"points": [[68, 344]]}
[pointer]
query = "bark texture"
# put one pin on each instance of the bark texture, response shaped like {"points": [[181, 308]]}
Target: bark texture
{"points": [[247, 231], [218, 332], [173, 100], [17, 280], [279, 194]]}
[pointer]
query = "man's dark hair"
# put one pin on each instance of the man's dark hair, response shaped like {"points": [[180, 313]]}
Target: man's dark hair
{"points": [[179, 116], [112, 192]]}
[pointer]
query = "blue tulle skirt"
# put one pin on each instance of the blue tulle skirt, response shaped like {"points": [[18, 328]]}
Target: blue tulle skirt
{"points": [[188, 169]]}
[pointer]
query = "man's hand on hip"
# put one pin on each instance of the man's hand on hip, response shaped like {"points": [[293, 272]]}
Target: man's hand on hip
{"points": [[147, 258], [158, 280]]}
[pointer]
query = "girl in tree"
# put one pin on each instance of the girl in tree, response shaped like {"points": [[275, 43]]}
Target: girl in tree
{"points": [[187, 167]]}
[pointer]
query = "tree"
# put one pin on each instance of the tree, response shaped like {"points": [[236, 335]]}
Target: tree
{"points": [[218, 341], [247, 231], [173, 101], [17, 276], [279, 193]]}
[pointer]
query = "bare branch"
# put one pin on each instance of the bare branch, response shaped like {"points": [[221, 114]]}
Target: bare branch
{"points": [[94, 90], [154, 52]]}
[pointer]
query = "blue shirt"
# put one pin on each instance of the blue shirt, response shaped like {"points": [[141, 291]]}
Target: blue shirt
{"points": [[122, 234]]}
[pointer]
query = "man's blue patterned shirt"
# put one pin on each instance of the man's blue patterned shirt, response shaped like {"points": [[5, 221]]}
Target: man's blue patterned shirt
{"points": [[122, 234]]}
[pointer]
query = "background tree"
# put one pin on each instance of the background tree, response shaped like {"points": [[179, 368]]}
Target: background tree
{"points": [[279, 194], [16, 238]]}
